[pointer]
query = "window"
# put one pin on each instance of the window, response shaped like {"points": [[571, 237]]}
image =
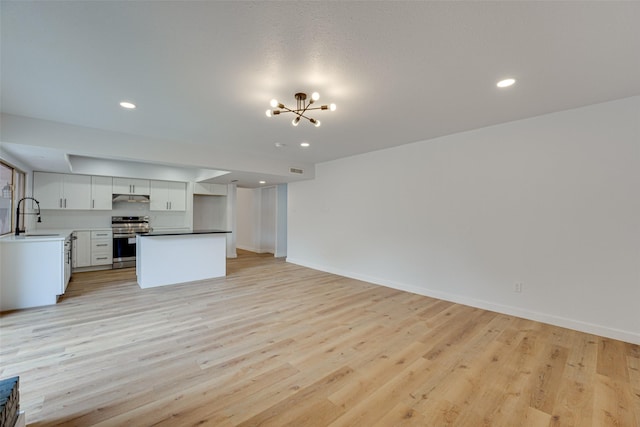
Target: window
{"points": [[12, 185]]}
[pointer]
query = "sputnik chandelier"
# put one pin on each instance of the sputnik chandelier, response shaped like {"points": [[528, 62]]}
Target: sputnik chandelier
{"points": [[301, 108]]}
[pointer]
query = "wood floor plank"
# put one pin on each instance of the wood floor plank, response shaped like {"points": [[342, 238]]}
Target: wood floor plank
{"points": [[277, 344]]}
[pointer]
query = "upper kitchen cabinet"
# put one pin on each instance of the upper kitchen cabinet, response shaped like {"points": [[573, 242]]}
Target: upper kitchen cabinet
{"points": [[62, 191], [168, 196], [101, 192], [131, 186], [209, 189]]}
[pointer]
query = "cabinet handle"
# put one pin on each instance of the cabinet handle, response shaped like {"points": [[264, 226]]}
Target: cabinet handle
{"points": [[101, 234], [65, 203], [102, 257], [101, 244], [134, 188], [169, 205], [60, 202], [93, 203]]}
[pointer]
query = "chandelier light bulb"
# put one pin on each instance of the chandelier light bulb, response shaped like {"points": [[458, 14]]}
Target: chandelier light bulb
{"points": [[506, 82], [315, 96], [268, 113], [332, 107], [274, 103], [128, 105], [317, 123], [295, 121]]}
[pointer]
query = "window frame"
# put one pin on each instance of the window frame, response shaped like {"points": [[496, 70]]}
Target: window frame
{"points": [[17, 187]]}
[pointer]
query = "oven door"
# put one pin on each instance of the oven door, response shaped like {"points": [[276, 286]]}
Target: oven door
{"points": [[124, 250]]}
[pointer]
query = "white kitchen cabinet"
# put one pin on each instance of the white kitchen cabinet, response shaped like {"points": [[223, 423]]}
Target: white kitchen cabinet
{"points": [[33, 271], [81, 249], [92, 248], [209, 189], [101, 248], [62, 191], [101, 192], [131, 186], [168, 196]]}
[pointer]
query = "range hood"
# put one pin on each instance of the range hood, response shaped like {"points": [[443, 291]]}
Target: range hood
{"points": [[130, 198]]}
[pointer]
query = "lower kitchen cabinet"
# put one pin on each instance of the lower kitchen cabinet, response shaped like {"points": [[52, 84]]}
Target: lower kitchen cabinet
{"points": [[101, 248], [33, 271], [81, 249], [92, 248]]}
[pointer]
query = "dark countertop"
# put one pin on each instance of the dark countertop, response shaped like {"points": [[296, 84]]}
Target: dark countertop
{"points": [[182, 233]]}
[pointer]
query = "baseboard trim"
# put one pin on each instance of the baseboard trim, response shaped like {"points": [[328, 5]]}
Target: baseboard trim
{"points": [[550, 319]]}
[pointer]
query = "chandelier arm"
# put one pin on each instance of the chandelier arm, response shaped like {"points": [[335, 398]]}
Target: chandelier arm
{"points": [[302, 115], [317, 108], [288, 110]]}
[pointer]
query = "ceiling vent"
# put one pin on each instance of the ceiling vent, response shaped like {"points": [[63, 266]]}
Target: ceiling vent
{"points": [[296, 170]]}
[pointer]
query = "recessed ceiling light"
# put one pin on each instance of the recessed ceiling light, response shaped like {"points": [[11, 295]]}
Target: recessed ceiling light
{"points": [[263, 182], [506, 82], [304, 144], [280, 145], [128, 105]]}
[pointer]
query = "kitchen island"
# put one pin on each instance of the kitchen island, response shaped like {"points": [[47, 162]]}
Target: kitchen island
{"points": [[34, 268], [172, 257]]}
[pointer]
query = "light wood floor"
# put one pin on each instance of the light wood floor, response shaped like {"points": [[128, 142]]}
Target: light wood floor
{"points": [[281, 345]]}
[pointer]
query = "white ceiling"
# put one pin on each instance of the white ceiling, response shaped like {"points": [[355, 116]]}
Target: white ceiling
{"points": [[202, 73]]}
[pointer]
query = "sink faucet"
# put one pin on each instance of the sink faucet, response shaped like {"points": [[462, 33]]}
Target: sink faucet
{"points": [[25, 213]]}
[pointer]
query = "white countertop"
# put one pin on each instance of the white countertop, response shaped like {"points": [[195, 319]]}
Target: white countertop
{"points": [[36, 236]]}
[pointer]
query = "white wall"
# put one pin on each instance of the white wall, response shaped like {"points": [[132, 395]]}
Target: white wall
{"points": [[552, 202], [268, 220], [262, 219], [246, 220], [231, 225], [281, 221], [209, 212]]}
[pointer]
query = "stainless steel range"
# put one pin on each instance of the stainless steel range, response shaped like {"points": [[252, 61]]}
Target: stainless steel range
{"points": [[124, 230]]}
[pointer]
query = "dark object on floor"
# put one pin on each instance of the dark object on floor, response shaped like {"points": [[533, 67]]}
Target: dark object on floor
{"points": [[9, 401]]}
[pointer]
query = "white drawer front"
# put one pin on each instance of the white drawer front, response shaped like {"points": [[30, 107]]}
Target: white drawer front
{"points": [[102, 235], [101, 245], [101, 259]]}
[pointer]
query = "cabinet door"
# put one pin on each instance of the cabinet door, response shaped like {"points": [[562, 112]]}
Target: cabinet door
{"points": [[159, 198], [131, 186], [81, 249], [77, 192], [140, 186], [101, 192], [47, 189], [121, 186], [177, 196], [168, 196]]}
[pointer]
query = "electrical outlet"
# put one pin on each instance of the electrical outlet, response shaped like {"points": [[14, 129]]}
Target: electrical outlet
{"points": [[517, 287]]}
